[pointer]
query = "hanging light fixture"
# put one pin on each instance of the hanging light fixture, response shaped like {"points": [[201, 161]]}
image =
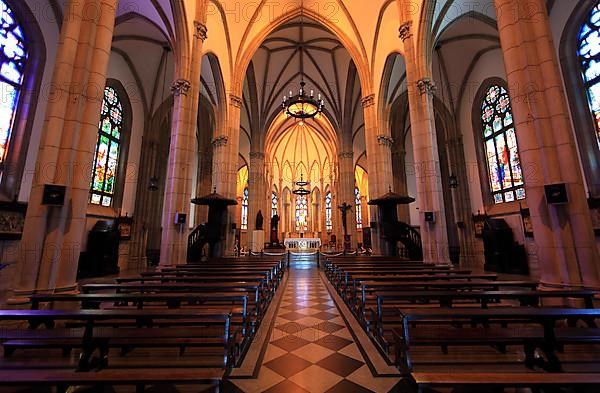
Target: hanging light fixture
{"points": [[302, 105], [301, 190]]}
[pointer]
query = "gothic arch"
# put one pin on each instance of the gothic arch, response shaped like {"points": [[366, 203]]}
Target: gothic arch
{"points": [[576, 94], [22, 127]]}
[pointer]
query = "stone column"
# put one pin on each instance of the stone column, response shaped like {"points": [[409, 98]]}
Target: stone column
{"points": [[427, 163], [400, 184], [347, 183], [379, 159], [52, 236], [257, 192], [178, 190], [563, 233]]}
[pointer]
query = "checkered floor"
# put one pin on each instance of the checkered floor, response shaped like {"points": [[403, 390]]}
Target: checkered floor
{"points": [[311, 348]]}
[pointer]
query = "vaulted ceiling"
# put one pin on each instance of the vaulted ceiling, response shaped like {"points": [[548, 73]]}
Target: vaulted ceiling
{"points": [[275, 70]]}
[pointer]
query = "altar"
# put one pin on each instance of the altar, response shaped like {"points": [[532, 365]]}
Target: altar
{"points": [[303, 243]]}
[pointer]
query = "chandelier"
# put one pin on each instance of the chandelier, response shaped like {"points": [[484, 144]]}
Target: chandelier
{"points": [[301, 190], [302, 105]]}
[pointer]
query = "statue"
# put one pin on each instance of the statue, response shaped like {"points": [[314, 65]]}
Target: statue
{"points": [[259, 221], [274, 228], [344, 209]]}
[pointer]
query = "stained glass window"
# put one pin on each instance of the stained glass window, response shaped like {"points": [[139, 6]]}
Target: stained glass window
{"points": [[13, 57], [501, 150], [589, 56], [328, 211], [106, 160], [273, 203], [358, 209], [244, 224], [301, 213]]}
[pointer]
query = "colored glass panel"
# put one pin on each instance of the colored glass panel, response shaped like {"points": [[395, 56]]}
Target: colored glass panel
{"points": [[501, 147], [301, 213], [273, 203], [244, 224], [328, 211], [358, 209], [13, 58], [106, 160], [589, 57]]}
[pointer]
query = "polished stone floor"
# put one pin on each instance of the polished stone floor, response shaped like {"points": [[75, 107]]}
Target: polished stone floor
{"points": [[310, 347]]}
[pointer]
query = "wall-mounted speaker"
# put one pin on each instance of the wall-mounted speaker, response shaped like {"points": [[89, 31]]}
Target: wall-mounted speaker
{"points": [[556, 194], [429, 217], [180, 218], [54, 195]]}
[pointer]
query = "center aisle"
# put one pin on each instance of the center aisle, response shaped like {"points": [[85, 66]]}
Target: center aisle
{"points": [[311, 348]]}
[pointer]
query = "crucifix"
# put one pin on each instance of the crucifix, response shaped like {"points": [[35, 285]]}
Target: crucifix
{"points": [[344, 207]]}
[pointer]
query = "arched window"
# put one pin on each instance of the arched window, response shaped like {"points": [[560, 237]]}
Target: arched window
{"points": [[301, 213], [13, 58], [589, 57], [244, 224], [108, 149], [273, 203], [358, 208], [501, 150], [328, 211]]}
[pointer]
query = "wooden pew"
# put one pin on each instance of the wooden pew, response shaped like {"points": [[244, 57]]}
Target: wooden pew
{"points": [[389, 305], [258, 302], [484, 382], [540, 331], [215, 301], [138, 377], [100, 339]]}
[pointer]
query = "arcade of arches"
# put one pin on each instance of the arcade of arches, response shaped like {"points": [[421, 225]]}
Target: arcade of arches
{"points": [[132, 109]]}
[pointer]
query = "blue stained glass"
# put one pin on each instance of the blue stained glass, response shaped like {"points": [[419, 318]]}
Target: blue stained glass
{"points": [[13, 58], [589, 57], [501, 149]]}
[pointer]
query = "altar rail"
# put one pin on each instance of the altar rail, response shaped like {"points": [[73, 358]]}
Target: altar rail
{"points": [[302, 243]]}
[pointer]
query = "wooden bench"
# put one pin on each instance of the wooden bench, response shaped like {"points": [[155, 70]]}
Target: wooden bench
{"points": [[138, 377], [390, 304], [484, 382], [100, 339], [260, 298], [548, 338], [223, 301]]}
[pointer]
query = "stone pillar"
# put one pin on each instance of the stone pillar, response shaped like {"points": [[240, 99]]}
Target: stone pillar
{"points": [[52, 236], [257, 191], [563, 233], [429, 197], [400, 184], [178, 189], [379, 159], [347, 183]]}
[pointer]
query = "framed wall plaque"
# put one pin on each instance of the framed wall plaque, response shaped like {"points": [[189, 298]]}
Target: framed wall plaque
{"points": [[12, 220]]}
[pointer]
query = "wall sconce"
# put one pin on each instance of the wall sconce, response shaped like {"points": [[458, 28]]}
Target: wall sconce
{"points": [[153, 185], [453, 181]]}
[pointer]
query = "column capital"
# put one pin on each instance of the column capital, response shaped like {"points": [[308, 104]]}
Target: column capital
{"points": [[368, 101], [181, 87], [235, 100], [385, 140], [220, 140], [258, 155], [201, 30], [426, 86], [405, 30], [346, 154]]}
